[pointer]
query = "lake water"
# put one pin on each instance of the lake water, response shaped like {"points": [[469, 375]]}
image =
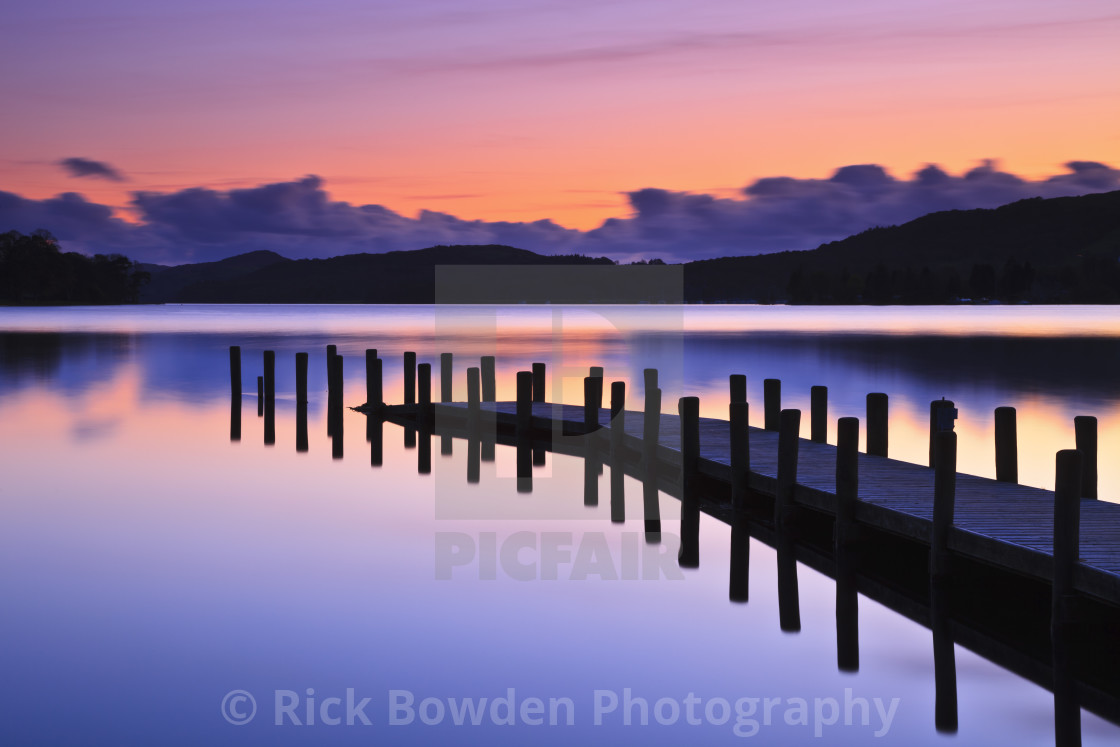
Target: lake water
{"points": [[162, 582]]}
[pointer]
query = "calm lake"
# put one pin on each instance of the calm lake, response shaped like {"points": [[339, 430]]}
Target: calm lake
{"points": [[163, 584]]}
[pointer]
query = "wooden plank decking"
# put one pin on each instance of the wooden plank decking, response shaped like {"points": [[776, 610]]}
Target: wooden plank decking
{"points": [[1004, 524]]}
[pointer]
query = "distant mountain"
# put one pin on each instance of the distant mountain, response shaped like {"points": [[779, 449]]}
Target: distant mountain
{"points": [[1061, 250], [393, 277], [170, 283]]}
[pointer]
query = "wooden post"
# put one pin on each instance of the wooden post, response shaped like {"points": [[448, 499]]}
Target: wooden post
{"points": [[847, 492], [1070, 470], [847, 479], [818, 414], [689, 410], [649, 379], [772, 403], [538, 382], [618, 421], [738, 384], [1085, 433], [375, 396], [260, 396], [789, 606], [332, 353], [944, 497], [489, 379], [618, 430], [269, 375], [335, 416], [424, 373], [739, 445], [445, 374], [788, 444], [651, 424], [269, 397], [877, 424], [474, 397], [1067, 530], [235, 370], [524, 404], [590, 408], [301, 378], [935, 424], [1007, 448], [234, 392], [410, 378], [596, 372]]}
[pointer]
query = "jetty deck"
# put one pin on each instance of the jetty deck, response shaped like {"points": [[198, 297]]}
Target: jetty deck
{"points": [[1004, 524]]}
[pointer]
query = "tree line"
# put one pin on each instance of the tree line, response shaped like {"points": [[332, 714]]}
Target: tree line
{"points": [[34, 270]]}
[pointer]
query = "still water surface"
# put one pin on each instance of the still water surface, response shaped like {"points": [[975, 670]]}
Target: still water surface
{"points": [[152, 566]]}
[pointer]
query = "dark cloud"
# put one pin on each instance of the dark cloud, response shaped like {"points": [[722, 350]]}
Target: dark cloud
{"points": [[86, 167], [784, 213], [298, 219]]}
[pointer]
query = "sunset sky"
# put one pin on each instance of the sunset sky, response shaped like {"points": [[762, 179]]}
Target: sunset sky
{"points": [[195, 131]]}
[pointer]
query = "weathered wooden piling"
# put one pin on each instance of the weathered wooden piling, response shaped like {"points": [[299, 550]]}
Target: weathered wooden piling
{"points": [[446, 373], [847, 479], [596, 372], [689, 410], [1068, 490], [738, 386], [260, 396], [938, 421], [410, 378], [740, 457], [474, 397], [1070, 470], [489, 379], [538, 383], [772, 404], [618, 428], [424, 393], [789, 605], [1007, 445], [649, 379], [270, 375], [618, 420], [335, 415], [877, 424], [301, 378], [944, 499], [524, 404], [789, 425], [234, 392], [235, 370], [269, 397], [651, 425], [332, 394], [739, 444], [374, 395], [818, 414], [847, 493], [1085, 434]]}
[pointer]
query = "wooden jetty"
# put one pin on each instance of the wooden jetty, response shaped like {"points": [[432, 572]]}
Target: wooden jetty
{"points": [[1027, 578]]}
